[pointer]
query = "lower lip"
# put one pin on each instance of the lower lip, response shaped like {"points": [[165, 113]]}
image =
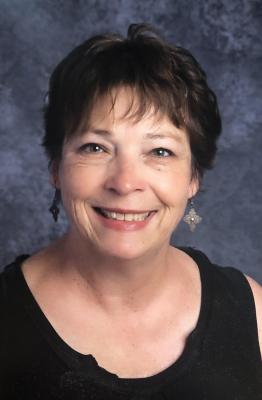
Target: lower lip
{"points": [[125, 225]]}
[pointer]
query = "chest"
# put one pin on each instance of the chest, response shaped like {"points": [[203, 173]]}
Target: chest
{"points": [[140, 345], [131, 349]]}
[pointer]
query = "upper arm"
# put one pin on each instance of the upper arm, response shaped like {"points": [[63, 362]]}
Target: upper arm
{"points": [[257, 293]]}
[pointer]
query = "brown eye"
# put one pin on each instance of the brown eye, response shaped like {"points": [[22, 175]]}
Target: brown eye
{"points": [[91, 148], [162, 152]]}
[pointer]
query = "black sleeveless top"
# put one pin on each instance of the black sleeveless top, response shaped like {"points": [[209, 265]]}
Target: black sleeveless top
{"points": [[221, 359]]}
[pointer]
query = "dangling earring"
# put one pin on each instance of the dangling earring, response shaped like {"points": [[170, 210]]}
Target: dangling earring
{"points": [[54, 209], [192, 219]]}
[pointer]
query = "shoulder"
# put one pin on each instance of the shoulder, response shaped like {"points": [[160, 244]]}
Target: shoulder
{"points": [[257, 294], [9, 275], [243, 290], [9, 289]]}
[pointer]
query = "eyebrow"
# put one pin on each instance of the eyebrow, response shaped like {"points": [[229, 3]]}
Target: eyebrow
{"points": [[150, 135], [101, 132], [163, 135]]}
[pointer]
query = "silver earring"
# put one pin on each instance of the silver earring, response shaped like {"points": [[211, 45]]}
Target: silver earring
{"points": [[54, 209], [192, 219]]}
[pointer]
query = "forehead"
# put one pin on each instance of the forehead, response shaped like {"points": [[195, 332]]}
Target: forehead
{"points": [[122, 106], [118, 104]]}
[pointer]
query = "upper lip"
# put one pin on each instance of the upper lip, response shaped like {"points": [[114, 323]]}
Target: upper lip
{"points": [[125, 211]]}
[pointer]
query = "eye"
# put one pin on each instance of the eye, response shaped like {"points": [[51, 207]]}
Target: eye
{"points": [[162, 152], [91, 148]]}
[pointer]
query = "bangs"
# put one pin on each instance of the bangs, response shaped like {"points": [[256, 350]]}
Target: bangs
{"points": [[141, 104], [161, 78], [118, 68]]}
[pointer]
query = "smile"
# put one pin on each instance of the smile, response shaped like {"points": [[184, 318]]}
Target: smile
{"points": [[138, 216]]}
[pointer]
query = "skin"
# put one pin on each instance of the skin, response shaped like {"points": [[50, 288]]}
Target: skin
{"points": [[131, 283], [123, 170], [127, 171]]}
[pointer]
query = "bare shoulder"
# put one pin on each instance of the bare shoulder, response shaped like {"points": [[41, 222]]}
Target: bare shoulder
{"points": [[257, 293]]}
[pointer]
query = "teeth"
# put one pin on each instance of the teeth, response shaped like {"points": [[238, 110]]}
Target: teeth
{"points": [[126, 217], [121, 217]]}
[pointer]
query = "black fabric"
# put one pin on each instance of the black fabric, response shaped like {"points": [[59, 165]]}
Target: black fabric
{"points": [[221, 360]]}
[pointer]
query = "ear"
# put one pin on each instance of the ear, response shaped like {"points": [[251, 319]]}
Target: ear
{"points": [[193, 188], [54, 175]]}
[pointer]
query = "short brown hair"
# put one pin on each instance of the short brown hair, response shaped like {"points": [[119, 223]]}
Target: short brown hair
{"points": [[162, 75]]}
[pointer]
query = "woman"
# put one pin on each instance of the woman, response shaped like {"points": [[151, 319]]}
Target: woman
{"points": [[111, 310]]}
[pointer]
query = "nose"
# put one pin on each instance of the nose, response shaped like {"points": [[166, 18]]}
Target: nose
{"points": [[124, 177]]}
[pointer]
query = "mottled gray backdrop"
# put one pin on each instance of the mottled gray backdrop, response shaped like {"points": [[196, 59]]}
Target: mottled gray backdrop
{"points": [[224, 35]]}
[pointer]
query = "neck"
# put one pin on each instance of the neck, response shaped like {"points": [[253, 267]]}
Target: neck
{"points": [[112, 283]]}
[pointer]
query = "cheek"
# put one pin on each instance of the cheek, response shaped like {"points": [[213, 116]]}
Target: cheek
{"points": [[173, 188], [78, 182]]}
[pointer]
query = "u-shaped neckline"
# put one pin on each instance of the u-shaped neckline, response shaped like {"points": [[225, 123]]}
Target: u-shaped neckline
{"points": [[87, 365]]}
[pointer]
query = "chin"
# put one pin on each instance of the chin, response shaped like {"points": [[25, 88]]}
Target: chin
{"points": [[123, 251]]}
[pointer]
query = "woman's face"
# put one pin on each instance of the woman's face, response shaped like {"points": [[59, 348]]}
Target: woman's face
{"points": [[124, 169]]}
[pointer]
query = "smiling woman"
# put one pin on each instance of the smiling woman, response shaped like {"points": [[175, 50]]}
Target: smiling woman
{"points": [[111, 310], [126, 174]]}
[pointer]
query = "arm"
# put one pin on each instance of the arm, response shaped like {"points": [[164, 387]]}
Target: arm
{"points": [[257, 293]]}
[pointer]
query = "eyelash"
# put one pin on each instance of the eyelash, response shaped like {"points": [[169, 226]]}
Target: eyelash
{"points": [[170, 153], [93, 145], [88, 145]]}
